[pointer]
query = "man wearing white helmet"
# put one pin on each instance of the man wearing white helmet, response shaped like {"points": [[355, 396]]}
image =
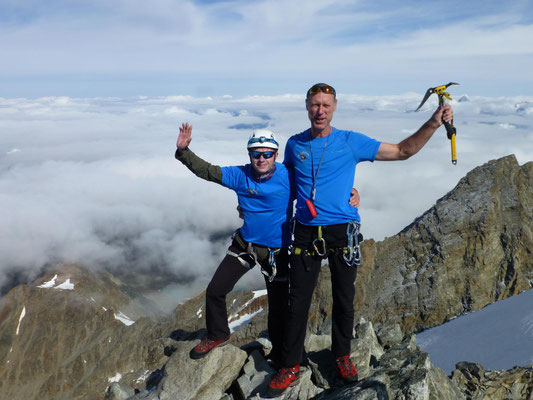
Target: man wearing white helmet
{"points": [[264, 194]]}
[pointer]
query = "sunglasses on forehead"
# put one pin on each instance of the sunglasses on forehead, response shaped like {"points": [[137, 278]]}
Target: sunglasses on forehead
{"points": [[266, 154], [321, 88]]}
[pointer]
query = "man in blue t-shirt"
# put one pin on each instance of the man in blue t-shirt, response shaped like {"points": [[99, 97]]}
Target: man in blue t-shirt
{"points": [[324, 160], [263, 189]]}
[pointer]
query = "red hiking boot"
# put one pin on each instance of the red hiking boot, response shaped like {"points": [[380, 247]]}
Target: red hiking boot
{"points": [[205, 346], [346, 368], [285, 377]]}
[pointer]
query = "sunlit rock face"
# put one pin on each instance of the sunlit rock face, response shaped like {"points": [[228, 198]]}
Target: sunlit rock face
{"points": [[473, 247]]}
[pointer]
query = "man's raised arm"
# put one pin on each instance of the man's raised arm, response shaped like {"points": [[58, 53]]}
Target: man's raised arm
{"points": [[411, 145], [198, 166]]}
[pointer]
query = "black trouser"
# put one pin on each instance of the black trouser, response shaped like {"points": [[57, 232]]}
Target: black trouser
{"points": [[303, 277], [226, 276]]}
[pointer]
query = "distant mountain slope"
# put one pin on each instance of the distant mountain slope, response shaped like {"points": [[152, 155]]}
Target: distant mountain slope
{"points": [[63, 334], [71, 333]]}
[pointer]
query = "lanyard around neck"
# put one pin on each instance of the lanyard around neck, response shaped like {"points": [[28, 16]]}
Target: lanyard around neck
{"points": [[313, 173]]}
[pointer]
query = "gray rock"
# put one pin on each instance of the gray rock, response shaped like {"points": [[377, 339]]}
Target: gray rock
{"points": [[367, 390], [479, 384], [412, 375], [389, 335], [207, 378], [256, 374], [315, 342], [366, 350], [118, 392]]}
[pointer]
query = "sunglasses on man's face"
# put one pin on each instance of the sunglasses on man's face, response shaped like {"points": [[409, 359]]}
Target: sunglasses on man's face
{"points": [[321, 88], [266, 154]]}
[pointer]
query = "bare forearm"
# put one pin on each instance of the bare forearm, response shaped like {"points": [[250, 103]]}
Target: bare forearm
{"points": [[412, 145]]}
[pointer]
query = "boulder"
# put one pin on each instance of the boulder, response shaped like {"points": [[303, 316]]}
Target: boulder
{"points": [[479, 384], [207, 378]]}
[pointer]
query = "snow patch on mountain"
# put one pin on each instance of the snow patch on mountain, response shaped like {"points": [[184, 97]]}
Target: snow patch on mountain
{"points": [[124, 319], [22, 314], [67, 285], [50, 284]]}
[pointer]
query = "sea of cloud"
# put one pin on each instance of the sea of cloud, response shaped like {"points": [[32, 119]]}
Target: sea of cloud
{"points": [[94, 180]]}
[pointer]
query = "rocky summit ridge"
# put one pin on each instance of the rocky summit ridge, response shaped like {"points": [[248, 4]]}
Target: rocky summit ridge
{"points": [[472, 248], [80, 334]]}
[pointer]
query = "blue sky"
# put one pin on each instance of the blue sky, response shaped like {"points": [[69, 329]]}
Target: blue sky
{"points": [[211, 48]]}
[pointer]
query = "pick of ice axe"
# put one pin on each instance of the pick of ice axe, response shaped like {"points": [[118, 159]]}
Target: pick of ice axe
{"points": [[450, 129]]}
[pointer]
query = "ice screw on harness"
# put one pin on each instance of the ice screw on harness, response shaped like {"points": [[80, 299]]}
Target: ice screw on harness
{"points": [[450, 129], [352, 255]]}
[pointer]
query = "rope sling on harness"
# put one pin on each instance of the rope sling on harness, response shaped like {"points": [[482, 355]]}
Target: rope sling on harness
{"points": [[249, 258]]}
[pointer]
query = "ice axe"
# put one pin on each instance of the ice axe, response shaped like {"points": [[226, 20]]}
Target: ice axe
{"points": [[450, 129]]}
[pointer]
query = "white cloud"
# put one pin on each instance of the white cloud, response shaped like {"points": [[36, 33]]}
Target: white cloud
{"points": [[95, 180]]}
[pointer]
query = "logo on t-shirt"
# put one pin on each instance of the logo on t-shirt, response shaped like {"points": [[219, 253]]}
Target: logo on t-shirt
{"points": [[251, 191], [303, 155]]}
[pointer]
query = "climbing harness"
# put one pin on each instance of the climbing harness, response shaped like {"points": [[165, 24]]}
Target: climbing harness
{"points": [[250, 258], [351, 253], [450, 129]]}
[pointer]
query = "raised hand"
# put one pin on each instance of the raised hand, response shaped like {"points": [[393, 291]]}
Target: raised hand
{"points": [[185, 136]]}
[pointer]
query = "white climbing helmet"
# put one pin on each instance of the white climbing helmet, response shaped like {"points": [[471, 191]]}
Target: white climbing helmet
{"points": [[262, 138]]}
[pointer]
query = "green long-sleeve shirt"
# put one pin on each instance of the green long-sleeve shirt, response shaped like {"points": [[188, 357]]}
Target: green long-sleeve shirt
{"points": [[199, 166]]}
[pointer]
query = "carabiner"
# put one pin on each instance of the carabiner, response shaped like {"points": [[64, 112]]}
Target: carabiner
{"points": [[315, 246]]}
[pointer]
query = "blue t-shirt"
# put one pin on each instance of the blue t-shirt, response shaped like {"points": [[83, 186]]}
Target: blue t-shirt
{"points": [[266, 205], [344, 150]]}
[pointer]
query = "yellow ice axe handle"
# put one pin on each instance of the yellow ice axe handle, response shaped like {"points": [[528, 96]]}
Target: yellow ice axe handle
{"points": [[451, 131]]}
